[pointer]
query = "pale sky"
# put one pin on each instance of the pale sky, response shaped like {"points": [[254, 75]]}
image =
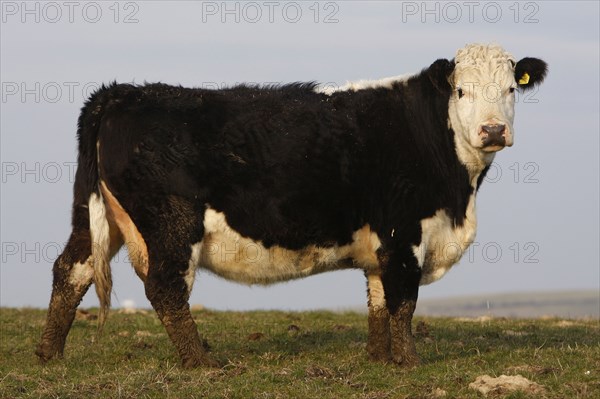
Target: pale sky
{"points": [[538, 212]]}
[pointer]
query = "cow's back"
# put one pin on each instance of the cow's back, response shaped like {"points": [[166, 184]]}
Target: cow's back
{"points": [[266, 158]]}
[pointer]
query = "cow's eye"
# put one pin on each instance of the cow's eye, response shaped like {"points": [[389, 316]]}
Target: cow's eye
{"points": [[512, 90], [459, 92]]}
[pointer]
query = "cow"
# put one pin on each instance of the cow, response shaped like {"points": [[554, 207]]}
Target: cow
{"points": [[262, 184]]}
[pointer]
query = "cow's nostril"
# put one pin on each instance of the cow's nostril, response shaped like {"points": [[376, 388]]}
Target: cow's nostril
{"points": [[493, 135], [493, 129]]}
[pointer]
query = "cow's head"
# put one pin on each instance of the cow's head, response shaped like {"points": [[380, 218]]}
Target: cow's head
{"points": [[483, 80]]}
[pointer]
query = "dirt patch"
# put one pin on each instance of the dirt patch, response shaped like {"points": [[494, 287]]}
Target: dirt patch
{"points": [[505, 384], [526, 368], [257, 336], [142, 345], [438, 393], [341, 327], [338, 377], [83, 314], [319, 372], [422, 330], [566, 323]]}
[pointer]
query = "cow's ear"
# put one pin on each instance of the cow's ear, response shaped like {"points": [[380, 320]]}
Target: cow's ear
{"points": [[439, 73], [530, 72]]}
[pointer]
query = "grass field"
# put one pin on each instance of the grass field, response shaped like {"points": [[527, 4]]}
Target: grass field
{"points": [[297, 355]]}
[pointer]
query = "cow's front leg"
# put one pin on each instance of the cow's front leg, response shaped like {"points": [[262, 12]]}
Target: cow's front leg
{"points": [[168, 293], [401, 285], [171, 273]]}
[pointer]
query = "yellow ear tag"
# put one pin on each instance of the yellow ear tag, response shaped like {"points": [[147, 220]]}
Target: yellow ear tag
{"points": [[524, 79]]}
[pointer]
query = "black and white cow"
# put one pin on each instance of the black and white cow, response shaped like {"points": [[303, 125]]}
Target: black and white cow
{"points": [[267, 184]]}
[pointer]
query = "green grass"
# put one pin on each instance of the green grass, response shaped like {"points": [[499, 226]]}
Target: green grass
{"points": [[295, 355]]}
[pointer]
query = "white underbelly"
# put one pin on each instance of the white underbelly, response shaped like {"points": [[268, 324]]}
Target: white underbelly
{"points": [[225, 252]]}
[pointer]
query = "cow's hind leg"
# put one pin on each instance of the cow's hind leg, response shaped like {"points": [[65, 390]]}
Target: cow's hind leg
{"points": [[72, 276], [73, 272], [168, 283]]}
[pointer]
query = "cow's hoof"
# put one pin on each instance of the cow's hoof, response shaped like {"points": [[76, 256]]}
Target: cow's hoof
{"points": [[46, 354], [202, 361], [382, 357], [43, 357], [407, 361]]}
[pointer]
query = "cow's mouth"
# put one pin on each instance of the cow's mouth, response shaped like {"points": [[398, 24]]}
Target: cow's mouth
{"points": [[492, 148], [492, 143]]}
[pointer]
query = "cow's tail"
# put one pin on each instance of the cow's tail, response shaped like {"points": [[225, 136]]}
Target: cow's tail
{"points": [[100, 235], [88, 192]]}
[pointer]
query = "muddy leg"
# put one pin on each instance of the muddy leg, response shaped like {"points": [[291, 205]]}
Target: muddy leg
{"points": [[401, 284], [73, 272], [378, 343], [167, 291], [169, 238]]}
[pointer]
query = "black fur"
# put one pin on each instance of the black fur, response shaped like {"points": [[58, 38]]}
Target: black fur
{"points": [[288, 166], [536, 68]]}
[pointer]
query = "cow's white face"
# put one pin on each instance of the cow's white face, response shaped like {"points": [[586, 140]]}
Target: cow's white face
{"points": [[481, 106]]}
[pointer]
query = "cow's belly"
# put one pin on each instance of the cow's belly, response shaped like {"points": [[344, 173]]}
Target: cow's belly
{"points": [[227, 253]]}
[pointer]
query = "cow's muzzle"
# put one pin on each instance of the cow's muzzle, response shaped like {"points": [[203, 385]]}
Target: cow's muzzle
{"points": [[493, 137]]}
